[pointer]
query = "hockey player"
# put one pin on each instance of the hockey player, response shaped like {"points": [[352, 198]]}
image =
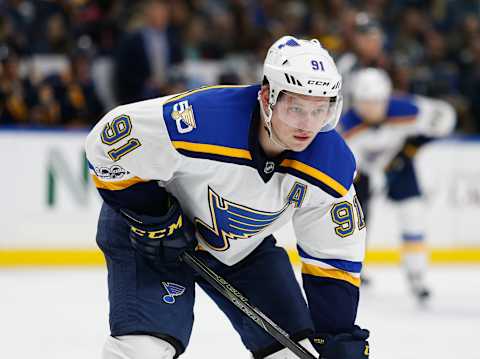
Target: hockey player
{"points": [[234, 164], [384, 132]]}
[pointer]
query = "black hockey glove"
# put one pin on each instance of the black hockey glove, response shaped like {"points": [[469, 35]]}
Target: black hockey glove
{"points": [[353, 345], [161, 239]]}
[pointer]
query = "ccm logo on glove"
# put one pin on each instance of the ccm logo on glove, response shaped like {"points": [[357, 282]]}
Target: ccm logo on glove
{"points": [[159, 233]]}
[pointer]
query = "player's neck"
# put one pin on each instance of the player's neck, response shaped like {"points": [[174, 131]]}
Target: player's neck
{"points": [[270, 148]]}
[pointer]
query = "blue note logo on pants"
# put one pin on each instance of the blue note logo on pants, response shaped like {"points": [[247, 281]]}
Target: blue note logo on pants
{"points": [[173, 290]]}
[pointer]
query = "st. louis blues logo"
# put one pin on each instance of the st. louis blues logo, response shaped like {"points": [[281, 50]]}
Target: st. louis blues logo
{"points": [[234, 221], [173, 290], [289, 42]]}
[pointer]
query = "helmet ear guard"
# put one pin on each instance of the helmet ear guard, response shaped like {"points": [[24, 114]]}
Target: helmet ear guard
{"points": [[267, 119]]}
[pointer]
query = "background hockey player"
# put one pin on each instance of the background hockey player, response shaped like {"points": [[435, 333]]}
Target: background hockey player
{"points": [[384, 132], [234, 163]]}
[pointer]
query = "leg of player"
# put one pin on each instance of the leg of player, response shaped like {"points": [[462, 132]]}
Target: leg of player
{"points": [[403, 189], [265, 274], [415, 261], [137, 346], [144, 296]]}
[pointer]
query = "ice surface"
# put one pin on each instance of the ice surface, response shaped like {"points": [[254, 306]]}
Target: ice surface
{"points": [[62, 313]]}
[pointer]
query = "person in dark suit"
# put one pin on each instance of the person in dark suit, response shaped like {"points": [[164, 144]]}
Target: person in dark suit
{"points": [[142, 61]]}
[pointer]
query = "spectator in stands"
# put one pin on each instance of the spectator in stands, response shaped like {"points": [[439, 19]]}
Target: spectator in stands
{"points": [[75, 92], [427, 46], [368, 51], [471, 82], [196, 38], [99, 23], [14, 29], [17, 94], [56, 39], [435, 76], [295, 17], [47, 109], [410, 35], [144, 57], [328, 35]]}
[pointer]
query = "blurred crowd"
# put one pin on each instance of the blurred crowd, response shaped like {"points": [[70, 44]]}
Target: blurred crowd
{"points": [[66, 62]]}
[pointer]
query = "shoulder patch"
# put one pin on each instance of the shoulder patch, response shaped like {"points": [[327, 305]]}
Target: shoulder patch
{"points": [[184, 117], [328, 163]]}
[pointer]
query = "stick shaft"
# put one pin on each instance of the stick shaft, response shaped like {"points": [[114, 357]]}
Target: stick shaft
{"points": [[236, 298]]}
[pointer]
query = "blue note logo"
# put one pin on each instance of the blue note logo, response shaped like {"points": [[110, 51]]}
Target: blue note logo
{"points": [[233, 221], [173, 290]]}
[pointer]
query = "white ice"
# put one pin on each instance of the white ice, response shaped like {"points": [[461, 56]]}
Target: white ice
{"points": [[62, 313]]}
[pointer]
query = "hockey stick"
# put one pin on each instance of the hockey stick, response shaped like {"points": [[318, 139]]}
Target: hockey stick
{"points": [[236, 298]]}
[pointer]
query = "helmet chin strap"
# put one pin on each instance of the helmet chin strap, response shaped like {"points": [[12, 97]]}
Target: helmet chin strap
{"points": [[267, 119]]}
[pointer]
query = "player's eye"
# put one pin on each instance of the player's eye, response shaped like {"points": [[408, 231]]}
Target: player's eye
{"points": [[318, 111], [296, 109]]}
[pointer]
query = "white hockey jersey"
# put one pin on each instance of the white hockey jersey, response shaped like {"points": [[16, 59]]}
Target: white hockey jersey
{"points": [[202, 147], [375, 146]]}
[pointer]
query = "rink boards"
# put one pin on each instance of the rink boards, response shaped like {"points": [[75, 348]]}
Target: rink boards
{"points": [[49, 207]]}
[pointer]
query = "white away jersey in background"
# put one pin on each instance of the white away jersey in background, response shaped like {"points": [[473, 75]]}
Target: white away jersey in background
{"points": [[375, 146]]}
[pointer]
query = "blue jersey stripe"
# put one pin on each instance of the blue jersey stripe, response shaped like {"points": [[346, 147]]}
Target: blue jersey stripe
{"points": [[349, 266]]}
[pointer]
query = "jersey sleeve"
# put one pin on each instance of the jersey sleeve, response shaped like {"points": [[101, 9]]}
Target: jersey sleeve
{"points": [[331, 244], [436, 118], [130, 156], [351, 128], [357, 146]]}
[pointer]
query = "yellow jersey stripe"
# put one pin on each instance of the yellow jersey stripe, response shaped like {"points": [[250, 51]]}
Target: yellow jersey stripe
{"points": [[330, 273], [117, 185], [191, 92], [354, 131], [318, 175], [401, 120], [212, 149]]}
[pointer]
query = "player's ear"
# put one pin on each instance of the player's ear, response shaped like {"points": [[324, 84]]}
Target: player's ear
{"points": [[264, 93]]}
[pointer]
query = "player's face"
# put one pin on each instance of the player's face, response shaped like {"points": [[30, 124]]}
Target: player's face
{"points": [[297, 119], [372, 112], [370, 44]]}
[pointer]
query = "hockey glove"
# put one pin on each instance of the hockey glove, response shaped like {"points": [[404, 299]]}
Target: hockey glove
{"points": [[161, 239], [353, 345], [409, 150]]}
